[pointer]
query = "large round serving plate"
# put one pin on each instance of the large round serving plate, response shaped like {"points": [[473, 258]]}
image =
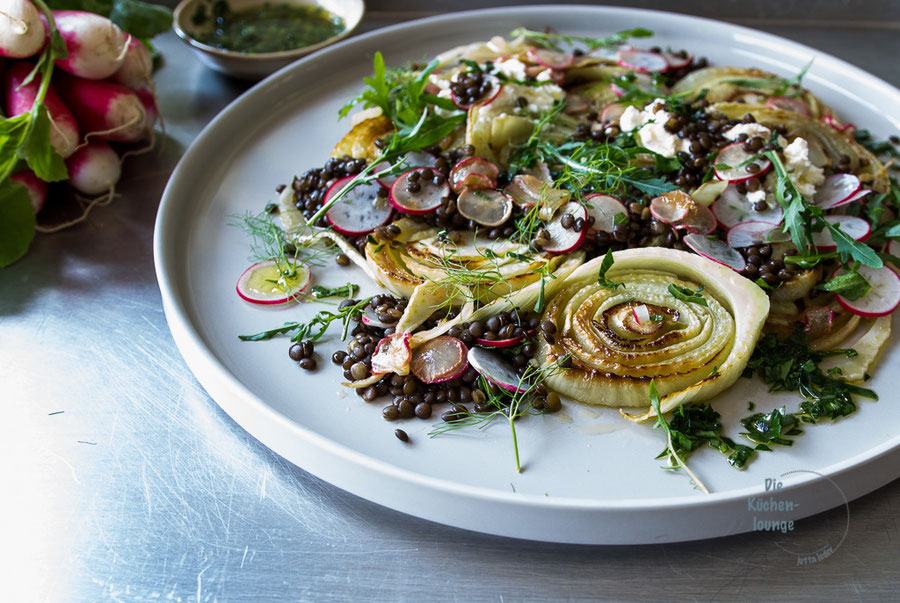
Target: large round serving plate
{"points": [[588, 476]]}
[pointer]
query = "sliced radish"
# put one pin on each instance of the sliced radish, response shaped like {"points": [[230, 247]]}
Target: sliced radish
{"points": [[427, 199], [836, 189], [855, 228], [263, 283], [539, 170], [392, 355], [487, 98], [853, 198], [551, 58], [487, 207], [502, 343], [604, 210], [525, 190], [563, 240], [881, 300], [371, 320], [495, 369], [830, 120], [642, 60], [641, 314], [786, 103], [680, 211], [818, 320], [361, 210], [732, 208], [612, 112], [737, 161], [440, 359], [414, 159], [386, 180], [461, 172], [748, 234], [715, 250], [678, 60]]}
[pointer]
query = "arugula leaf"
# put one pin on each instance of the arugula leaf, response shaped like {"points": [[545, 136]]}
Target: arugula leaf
{"points": [[686, 294], [848, 248], [605, 265], [17, 222], [850, 285]]}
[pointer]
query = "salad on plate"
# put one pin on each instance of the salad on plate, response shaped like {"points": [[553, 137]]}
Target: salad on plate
{"points": [[554, 218]]}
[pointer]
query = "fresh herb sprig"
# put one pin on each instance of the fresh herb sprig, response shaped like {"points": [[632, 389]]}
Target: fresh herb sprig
{"points": [[348, 291], [696, 425], [314, 329], [686, 294], [605, 265], [672, 449], [507, 406], [553, 40]]}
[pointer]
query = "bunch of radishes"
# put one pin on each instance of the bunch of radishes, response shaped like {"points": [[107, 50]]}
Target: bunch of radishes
{"points": [[100, 93]]}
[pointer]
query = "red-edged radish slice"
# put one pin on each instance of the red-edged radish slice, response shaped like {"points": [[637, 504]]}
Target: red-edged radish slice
{"points": [[427, 199], [642, 60], [786, 103], [551, 58], [557, 76], [835, 190], [563, 240], [678, 60], [487, 207], [853, 198], [539, 170], [361, 210], [603, 209], [881, 300], [732, 208], [612, 112], [748, 234], [855, 228], [440, 359], [831, 121], [392, 355], [473, 165], [263, 283], [496, 370], [414, 159], [818, 321], [493, 90], [679, 210], [370, 320], [525, 190], [715, 250], [737, 161], [642, 82], [386, 180], [502, 343], [641, 314]]}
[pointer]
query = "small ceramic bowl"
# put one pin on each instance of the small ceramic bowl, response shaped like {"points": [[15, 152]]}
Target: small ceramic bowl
{"points": [[255, 66]]}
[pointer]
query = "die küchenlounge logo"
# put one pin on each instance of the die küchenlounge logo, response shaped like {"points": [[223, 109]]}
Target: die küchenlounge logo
{"points": [[809, 540]]}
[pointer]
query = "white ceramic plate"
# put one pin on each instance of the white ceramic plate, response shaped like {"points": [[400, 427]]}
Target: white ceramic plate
{"points": [[588, 476]]}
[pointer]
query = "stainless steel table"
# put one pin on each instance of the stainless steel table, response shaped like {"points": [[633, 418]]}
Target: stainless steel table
{"points": [[126, 482]]}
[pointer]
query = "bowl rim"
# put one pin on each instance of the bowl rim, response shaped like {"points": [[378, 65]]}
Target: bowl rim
{"points": [[187, 38]]}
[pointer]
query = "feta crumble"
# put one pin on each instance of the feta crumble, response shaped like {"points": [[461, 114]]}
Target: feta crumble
{"points": [[803, 174], [648, 126], [751, 130]]}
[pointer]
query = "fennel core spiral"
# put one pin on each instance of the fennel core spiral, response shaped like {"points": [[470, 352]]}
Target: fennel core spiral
{"points": [[619, 339]]}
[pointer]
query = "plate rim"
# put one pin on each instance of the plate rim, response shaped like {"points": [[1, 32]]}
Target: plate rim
{"points": [[202, 361]]}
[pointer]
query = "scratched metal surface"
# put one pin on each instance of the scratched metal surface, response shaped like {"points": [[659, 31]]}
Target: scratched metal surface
{"points": [[125, 481]]}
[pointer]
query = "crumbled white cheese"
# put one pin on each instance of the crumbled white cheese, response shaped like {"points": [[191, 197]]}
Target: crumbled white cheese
{"points": [[756, 196], [804, 174], [512, 68], [648, 125], [544, 76], [750, 130]]}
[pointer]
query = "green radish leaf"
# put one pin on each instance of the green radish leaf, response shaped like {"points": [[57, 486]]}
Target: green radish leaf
{"points": [[16, 222], [12, 133], [141, 19], [36, 149]]}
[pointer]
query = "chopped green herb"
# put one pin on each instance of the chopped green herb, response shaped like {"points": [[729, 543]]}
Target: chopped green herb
{"points": [[687, 294], [605, 265]]}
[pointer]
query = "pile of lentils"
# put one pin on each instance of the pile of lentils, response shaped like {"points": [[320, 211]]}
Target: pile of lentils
{"points": [[761, 264], [469, 87]]}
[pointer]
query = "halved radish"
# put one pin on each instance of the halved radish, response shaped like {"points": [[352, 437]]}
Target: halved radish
{"points": [[678, 60], [787, 103], [732, 163], [392, 355], [370, 320], [881, 300], [361, 210], [264, 283], [732, 208], [715, 250], [461, 172], [855, 228], [495, 369], [612, 112], [836, 189], [425, 200], [747, 234], [563, 240], [642, 60], [680, 211], [440, 359], [604, 210], [551, 58], [487, 98], [487, 207]]}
